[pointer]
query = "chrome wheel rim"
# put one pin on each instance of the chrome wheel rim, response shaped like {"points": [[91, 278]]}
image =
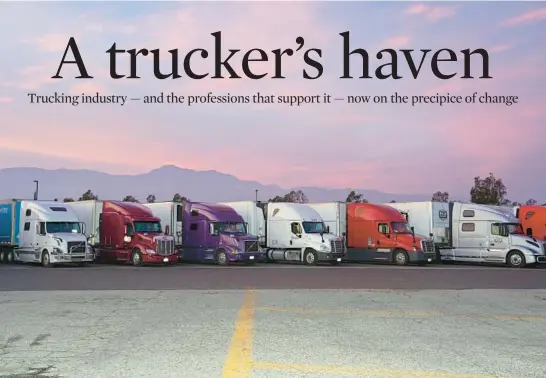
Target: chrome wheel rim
{"points": [[515, 260], [310, 258], [400, 258], [136, 258], [222, 258]]}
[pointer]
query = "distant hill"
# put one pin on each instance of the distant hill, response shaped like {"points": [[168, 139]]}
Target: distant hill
{"points": [[164, 182]]}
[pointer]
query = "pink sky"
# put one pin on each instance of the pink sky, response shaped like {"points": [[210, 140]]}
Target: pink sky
{"points": [[388, 147]]}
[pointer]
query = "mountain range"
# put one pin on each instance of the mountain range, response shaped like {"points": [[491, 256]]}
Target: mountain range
{"points": [[164, 182]]}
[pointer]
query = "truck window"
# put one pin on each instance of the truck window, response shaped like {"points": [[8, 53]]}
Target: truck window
{"points": [[179, 213], [468, 213], [27, 226], [468, 227], [495, 229], [130, 230], [383, 228], [42, 228], [529, 214], [193, 227], [296, 228], [28, 212]]}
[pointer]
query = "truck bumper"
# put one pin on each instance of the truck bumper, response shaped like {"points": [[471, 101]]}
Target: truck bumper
{"points": [[246, 257], [159, 259], [420, 257], [71, 259], [541, 259], [328, 256]]}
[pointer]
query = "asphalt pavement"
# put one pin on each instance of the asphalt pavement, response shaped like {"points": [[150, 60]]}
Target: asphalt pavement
{"points": [[268, 276], [283, 321]]}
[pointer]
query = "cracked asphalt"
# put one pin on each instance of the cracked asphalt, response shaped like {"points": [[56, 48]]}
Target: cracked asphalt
{"points": [[259, 332]]}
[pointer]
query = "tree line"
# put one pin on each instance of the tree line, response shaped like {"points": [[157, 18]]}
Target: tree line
{"points": [[485, 191]]}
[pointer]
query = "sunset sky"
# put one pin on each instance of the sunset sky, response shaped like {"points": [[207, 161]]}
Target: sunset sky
{"points": [[388, 147]]}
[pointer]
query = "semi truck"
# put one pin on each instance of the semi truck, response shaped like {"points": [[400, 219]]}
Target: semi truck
{"points": [[532, 218], [290, 232], [207, 232], [375, 233], [125, 232], [45, 232], [474, 233]]}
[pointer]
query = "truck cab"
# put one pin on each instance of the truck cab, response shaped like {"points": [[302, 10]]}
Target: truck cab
{"points": [[125, 231], [49, 233], [291, 232], [486, 234], [381, 233], [533, 221], [217, 233]]}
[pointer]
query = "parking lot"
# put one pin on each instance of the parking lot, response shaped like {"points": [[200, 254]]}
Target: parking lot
{"points": [[261, 332]]}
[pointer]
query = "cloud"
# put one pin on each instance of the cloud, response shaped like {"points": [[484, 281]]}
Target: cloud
{"points": [[397, 42], [50, 42], [528, 17], [499, 48], [5, 100], [432, 13]]}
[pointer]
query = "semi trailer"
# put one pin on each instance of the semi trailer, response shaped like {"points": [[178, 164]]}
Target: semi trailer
{"points": [[375, 233], [467, 232], [207, 232], [45, 232], [125, 231], [290, 232]]}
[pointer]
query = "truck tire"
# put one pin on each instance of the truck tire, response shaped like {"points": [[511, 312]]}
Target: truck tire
{"points": [[310, 257], [9, 256], [2, 254], [136, 258], [515, 259], [46, 261], [400, 257], [221, 258]]}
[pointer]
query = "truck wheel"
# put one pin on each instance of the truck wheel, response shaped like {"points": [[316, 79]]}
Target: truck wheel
{"points": [[10, 257], [136, 258], [309, 257], [221, 257], [515, 259], [46, 261], [400, 258], [2, 254]]}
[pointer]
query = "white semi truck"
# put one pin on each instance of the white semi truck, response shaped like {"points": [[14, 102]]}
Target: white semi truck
{"points": [[45, 232], [290, 232], [468, 232]]}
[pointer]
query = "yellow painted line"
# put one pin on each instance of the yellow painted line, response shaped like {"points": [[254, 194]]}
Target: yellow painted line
{"points": [[400, 314], [238, 362], [362, 371]]}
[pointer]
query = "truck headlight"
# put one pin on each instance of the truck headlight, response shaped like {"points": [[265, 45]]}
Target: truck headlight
{"points": [[414, 249], [150, 251], [235, 251], [324, 248], [57, 251]]}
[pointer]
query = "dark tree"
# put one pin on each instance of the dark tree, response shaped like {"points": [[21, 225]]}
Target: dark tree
{"points": [[68, 200], [150, 198], [296, 196], [178, 198], [354, 197], [488, 191], [531, 202], [440, 196], [129, 199], [88, 196]]}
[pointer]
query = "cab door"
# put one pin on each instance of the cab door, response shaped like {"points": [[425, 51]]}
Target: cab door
{"points": [[385, 242], [497, 245]]}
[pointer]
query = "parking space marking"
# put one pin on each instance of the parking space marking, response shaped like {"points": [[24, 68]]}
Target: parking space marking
{"points": [[362, 371], [238, 362], [401, 314]]}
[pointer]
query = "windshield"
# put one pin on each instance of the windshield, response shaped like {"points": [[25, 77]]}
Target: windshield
{"points": [[147, 227], [59, 227], [229, 228], [514, 228], [314, 227], [400, 228]]}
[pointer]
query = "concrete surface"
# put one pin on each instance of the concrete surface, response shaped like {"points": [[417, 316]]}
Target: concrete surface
{"points": [[268, 276], [273, 333]]}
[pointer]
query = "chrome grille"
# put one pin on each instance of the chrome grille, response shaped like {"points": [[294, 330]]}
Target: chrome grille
{"points": [[337, 246], [251, 246], [427, 246], [165, 247], [77, 247]]}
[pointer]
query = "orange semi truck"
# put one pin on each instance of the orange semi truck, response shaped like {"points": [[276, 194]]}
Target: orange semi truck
{"points": [[533, 220], [375, 233]]}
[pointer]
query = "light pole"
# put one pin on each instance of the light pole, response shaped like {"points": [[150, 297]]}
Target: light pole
{"points": [[256, 190], [36, 192]]}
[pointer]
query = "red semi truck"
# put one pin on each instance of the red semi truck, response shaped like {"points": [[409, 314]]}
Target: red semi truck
{"points": [[125, 231]]}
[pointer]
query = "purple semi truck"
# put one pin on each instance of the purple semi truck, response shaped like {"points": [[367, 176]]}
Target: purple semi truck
{"points": [[207, 232]]}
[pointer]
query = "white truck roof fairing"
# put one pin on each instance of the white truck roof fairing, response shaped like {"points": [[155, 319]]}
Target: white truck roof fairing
{"points": [[292, 212], [482, 212], [51, 211]]}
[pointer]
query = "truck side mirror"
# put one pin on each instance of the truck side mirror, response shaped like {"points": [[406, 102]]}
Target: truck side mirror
{"points": [[412, 230], [327, 229]]}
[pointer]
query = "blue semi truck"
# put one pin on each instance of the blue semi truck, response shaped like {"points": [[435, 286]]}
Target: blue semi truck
{"points": [[45, 232]]}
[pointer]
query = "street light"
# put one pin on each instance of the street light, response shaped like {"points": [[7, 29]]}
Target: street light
{"points": [[256, 190], [36, 192]]}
